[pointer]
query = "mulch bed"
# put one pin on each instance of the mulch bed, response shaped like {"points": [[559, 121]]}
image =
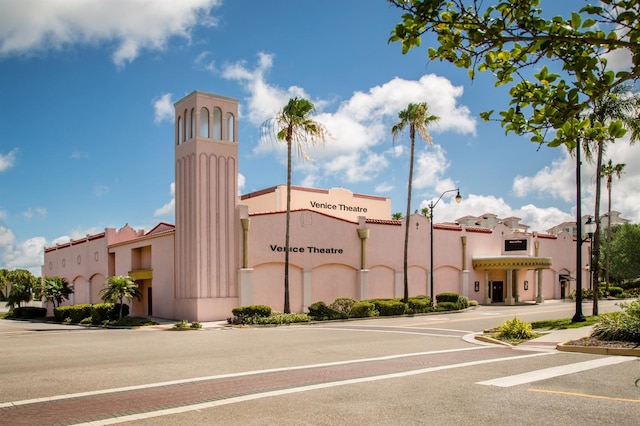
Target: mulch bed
{"points": [[596, 342]]}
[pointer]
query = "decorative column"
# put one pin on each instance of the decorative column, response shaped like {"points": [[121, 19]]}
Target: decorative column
{"points": [[464, 281], [509, 300], [363, 273], [540, 297], [487, 299], [245, 274]]}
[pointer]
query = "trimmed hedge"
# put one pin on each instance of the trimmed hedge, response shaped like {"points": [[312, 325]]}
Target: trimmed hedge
{"points": [[104, 312], [447, 297], [28, 312], [389, 307], [363, 309]]}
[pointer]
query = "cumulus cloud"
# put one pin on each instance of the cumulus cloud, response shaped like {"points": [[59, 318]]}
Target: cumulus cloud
{"points": [[359, 126], [26, 255], [7, 160], [169, 208], [32, 26], [163, 108]]}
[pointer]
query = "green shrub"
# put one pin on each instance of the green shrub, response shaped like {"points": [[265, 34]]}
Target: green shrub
{"points": [[28, 312], [102, 313], [419, 304], [181, 324], [319, 311], [343, 305], [463, 302], [389, 307], [447, 297], [624, 325], [363, 309], [473, 303], [61, 313], [447, 306], [515, 329], [615, 291], [278, 318], [79, 312]]}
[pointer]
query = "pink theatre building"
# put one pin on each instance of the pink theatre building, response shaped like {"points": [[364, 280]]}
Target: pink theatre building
{"points": [[226, 251]]}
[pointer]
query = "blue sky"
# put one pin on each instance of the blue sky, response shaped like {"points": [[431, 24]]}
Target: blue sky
{"points": [[86, 115]]}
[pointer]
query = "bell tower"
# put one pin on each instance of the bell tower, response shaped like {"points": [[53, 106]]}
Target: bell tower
{"points": [[206, 206]]}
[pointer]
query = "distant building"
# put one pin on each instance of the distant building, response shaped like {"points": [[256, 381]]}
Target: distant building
{"points": [[226, 251]]}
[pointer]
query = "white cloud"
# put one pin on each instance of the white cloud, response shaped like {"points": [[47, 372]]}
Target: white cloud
{"points": [[430, 165], [383, 188], [358, 126], [37, 211], [7, 161], [557, 180], [27, 255], [163, 108], [169, 209], [29, 26]]}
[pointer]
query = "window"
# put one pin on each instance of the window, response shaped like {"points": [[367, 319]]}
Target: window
{"points": [[193, 123], [179, 124], [204, 122], [184, 126], [230, 127], [217, 123]]}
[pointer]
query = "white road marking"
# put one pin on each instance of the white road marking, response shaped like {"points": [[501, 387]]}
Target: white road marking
{"points": [[212, 404], [547, 373], [225, 376]]}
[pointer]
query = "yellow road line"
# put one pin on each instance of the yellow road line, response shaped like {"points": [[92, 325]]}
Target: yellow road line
{"points": [[585, 395]]}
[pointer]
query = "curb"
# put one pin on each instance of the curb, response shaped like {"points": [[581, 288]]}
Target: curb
{"points": [[598, 350]]}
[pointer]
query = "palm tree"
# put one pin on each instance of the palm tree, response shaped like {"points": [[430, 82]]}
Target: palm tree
{"points": [[608, 170], [118, 288], [293, 125], [417, 117], [618, 105], [55, 290]]}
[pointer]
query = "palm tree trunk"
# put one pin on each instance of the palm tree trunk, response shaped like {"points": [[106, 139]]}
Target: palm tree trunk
{"points": [[407, 218], [608, 262], [595, 252], [287, 308]]}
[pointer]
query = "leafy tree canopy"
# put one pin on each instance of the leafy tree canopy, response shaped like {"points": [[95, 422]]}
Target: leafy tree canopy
{"points": [[513, 35], [625, 252]]}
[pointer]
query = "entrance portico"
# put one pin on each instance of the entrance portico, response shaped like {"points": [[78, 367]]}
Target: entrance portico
{"points": [[511, 264]]}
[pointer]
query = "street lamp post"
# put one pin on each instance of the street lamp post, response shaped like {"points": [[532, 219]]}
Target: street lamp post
{"points": [[431, 207], [589, 228]]}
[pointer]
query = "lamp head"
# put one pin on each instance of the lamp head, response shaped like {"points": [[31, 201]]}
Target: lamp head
{"points": [[590, 227], [458, 197]]}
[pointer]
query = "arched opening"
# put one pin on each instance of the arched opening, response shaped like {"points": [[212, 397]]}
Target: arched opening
{"points": [[217, 123], [204, 122], [184, 126], [179, 124], [192, 132], [231, 121]]}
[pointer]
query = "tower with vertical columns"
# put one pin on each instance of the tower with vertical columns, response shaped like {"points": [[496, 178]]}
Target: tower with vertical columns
{"points": [[206, 207]]}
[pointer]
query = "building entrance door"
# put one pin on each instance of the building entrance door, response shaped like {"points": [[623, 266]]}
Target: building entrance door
{"points": [[496, 291]]}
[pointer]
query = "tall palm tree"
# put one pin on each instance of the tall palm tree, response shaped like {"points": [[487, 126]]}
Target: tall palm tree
{"points": [[294, 126], [608, 170], [117, 288], [418, 118], [618, 105]]}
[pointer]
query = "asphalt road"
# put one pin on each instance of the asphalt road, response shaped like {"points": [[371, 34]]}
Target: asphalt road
{"points": [[421, 370]]}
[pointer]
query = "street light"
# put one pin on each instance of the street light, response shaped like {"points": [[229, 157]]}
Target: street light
{"points": [[589, 228], [431, 206]]}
